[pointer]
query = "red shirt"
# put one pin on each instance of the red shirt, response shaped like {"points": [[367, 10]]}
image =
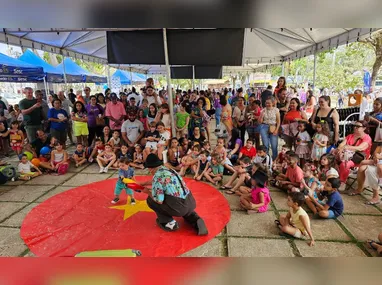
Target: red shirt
{"points": [[251, 153]]}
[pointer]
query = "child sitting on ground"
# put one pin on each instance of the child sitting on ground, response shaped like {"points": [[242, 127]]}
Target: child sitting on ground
{"points": [[152, 137], [24, 169], [242, 172], [247, 187], [125, 171], [222, 152], [123, 153], [263, 158], [292, 177], [296, 223], [259, 198], [138, 157], [79, 155], [174, 155], [190, 160], [202, 167], [115, 141], [280, 161], [106, 159], [327, 168], [206, 146], [334, 206], [59, 159], [164, 137], [215, 173], [98, 149], [248, 150]]}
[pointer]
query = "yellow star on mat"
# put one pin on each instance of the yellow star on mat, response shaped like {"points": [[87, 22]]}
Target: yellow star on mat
{"points": [[131, 210]]}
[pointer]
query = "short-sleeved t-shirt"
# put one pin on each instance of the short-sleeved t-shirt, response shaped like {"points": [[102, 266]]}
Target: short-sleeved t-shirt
{"points": [[164, 137], [181, 119], [115, 111], [335, 203], [58, 114], [80, 154], [256, 199], [200, 140], [217, 169], [294, 174], [126, 173], [351, 140], [132, 129], [251, 153], [34, 117], [37, 144], [154, 134], [25, 168]]}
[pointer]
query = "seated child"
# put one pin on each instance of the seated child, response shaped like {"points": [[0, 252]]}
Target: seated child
{"points": [[190, 160], [247, 188], [222, 152], [152, 137], [215, 173], [206, 146], [263, 158], [296, 223], [123, 153], [79, 155], [125, 171], [98, 148], [242, 171], [24, 169], [164, 138], [185, 146], [334, 206], [327, 168], [106, 159], [280, 161], [174, 155], [259, 198], [248, 150], [115, 141], [138, 157], [292, 177], [202, 166], [59, 159]]}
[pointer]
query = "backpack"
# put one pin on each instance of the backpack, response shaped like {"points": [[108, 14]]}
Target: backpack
{"points": [[7, 172]]}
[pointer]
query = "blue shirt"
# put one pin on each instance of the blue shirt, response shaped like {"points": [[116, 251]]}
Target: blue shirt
{"points": [[126, 173], [166, 182], [335, 203], [58, 114]]}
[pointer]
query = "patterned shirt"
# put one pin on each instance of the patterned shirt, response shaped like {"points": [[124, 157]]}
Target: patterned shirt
{"points": [[166, 182]]}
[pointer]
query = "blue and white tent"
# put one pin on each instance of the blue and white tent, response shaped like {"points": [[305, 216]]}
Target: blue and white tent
{"points": [[75, 73], [15, 70]]}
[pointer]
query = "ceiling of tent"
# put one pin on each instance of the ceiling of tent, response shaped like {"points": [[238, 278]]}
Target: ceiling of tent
{"points": [[262, 46]]}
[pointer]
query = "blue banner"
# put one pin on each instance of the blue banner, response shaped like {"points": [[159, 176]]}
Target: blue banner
{"points": [[21, 78], [366, 81]]}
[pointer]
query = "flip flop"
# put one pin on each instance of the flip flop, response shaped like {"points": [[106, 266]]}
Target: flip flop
{"points": [[277, 222], [370, 242], [230, 192], [372, 203], [353, 194], [226, 187]]}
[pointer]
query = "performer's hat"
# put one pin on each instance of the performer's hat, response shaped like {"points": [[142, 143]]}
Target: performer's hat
{"points": [[153, 161]]}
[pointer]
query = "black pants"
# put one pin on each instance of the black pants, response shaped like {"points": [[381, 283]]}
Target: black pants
{"points": [[93, 132], [175, 207], [242, 129]]}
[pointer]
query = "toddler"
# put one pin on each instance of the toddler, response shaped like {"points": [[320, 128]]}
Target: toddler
{"points": [[138, 157], [24, 169], [79, 155], [125, 171], [124, 153], [280, 163], [202, 167], [59, 159], [16, 137], [115, 141], [106, 159], [302, 143], [320, 141], [164, 137], [215, 173], [182, 121], [222, 152]]}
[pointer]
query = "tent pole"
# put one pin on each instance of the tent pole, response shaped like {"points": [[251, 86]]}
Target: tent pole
{"points": [[314, 70], [169, 90], [108, 77], [46, 88], [63, 65], [131, 78], [193, 77], [282, 69]]}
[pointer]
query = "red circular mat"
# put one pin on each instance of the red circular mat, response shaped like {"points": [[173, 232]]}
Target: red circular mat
{"points": [[83, 219]]}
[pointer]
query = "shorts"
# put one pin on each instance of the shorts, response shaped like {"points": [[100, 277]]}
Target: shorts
{"points": [[151, 145], [80, 130], [17, 148], [119, 188], [331, 215], [299, 234]]}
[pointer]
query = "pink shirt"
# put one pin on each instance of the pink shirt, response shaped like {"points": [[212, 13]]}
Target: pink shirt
{"points": [[115, 111], [294, 174], [256, 198], [350, 140]]}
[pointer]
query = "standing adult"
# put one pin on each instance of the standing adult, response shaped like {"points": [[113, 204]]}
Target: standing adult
{"points": [[294, 115], [330, 115], [133, 94], [226, 117], [270, 125], [375, 119], [238, 117], [235, 99], [87, 95], [282, 102], [169, 197], [115, 112], [197, 115], [151, 96], [95, 114], [72, 96], [132, 131], [66, 105], [58, 118], [310, 104], [32, 113], [252, 115], [44, 109], [267, 93]]}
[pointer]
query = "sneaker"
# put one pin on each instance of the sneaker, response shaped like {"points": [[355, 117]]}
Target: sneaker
{"points": [[101, 170], [91, 159], [169, 227], [105, 170], [342, 187], [115, 201], [132, 202]]}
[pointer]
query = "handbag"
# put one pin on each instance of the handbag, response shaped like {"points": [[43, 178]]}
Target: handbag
{"points": [[358, 157]]}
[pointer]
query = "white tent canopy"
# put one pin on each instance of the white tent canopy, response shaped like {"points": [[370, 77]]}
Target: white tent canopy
{"points": [[262, 46]]}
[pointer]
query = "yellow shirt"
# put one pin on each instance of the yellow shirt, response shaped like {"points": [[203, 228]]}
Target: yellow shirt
{"points": [[208, 104], [295, 218]]}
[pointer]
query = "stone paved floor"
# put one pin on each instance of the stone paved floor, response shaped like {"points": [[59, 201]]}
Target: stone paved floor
{"points": [[244, 236]]}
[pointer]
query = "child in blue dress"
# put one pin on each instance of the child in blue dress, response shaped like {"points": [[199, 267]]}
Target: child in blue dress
{"points": [[125, 171]]}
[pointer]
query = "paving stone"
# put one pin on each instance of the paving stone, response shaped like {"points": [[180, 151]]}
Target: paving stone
{"points": [[329, 249], [327, 230], [74, 169], [356, 205], [48, 179], [83, 179], [363, 227], [233, 201], [11, 244], [14, 183], [53, 192], [8, 208], [25, 193], [5, 189], [213, 248], [29, 254], [17, 219], [275, 189], [280, 200], [253, 247], [93, 168], [256, 225]]}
